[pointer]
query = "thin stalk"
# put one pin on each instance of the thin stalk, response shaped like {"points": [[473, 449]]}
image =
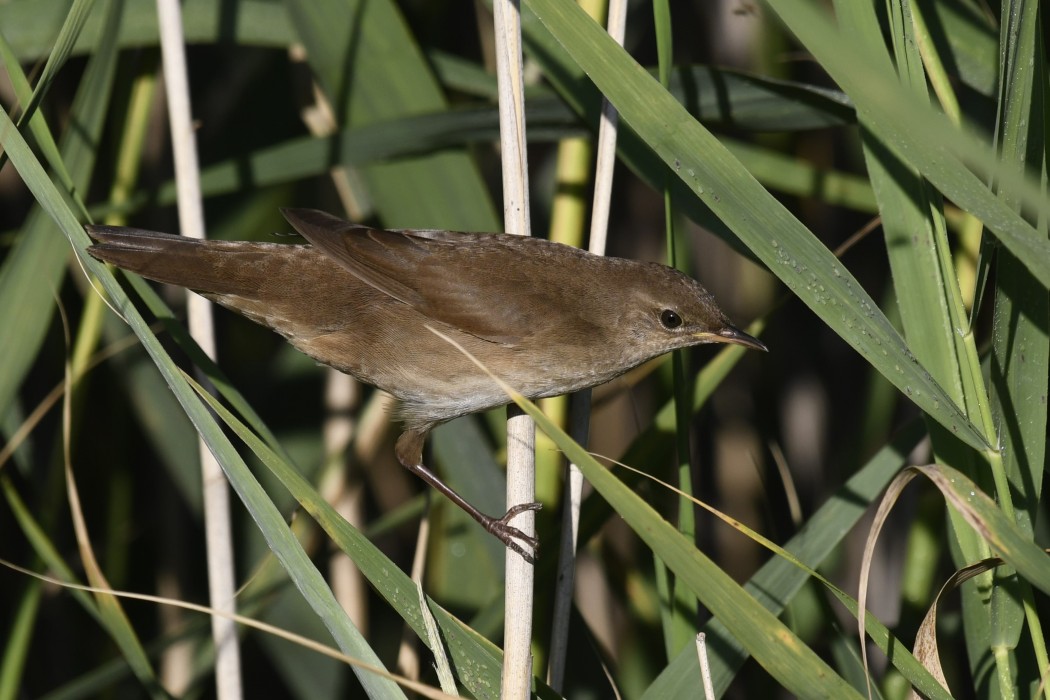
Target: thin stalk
{"points": [[218, 530], [521, 431]]}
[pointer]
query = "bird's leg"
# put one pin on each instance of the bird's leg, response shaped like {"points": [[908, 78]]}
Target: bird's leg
{"points": [[409, 450]]}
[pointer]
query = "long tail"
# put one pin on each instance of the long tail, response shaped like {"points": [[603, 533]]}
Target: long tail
{"points": [[210, 267], [294, 289]]}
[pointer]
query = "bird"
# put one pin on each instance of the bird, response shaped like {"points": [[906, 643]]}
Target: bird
{"points": [[546, 318]]}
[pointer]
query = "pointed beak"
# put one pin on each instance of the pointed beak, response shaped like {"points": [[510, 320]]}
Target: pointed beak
{"points": [[735, 336]]}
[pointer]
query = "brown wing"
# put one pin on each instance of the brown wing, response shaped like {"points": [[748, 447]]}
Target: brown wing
{"points": [[474, 282]]}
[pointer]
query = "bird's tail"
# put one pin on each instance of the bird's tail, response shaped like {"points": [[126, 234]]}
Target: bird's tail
{"points": [[209, 267]]}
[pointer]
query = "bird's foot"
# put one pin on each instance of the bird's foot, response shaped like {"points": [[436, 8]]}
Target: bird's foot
{"points": [[511, 536]]}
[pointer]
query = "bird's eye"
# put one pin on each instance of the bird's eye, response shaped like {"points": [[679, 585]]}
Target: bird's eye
{"points": [[670, 319]]}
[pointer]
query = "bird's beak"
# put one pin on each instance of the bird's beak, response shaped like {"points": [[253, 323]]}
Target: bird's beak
{"points": [[735, 337]]}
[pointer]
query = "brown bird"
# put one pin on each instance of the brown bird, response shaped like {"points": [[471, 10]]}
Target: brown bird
{"points": [[546, 318]]}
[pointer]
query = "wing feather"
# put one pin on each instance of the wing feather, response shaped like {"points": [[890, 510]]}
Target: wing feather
{"points": [[460, 279]]}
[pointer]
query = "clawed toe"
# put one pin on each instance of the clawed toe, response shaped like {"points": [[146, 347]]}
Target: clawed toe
{"points": [[510, 535], [515, 547], [519, 509]]}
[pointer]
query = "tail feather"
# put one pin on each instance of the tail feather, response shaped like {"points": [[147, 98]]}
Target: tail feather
{"points": [[209, 267]]}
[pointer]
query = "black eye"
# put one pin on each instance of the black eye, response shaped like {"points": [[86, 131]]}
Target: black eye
{"points": [[670, 319]]}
